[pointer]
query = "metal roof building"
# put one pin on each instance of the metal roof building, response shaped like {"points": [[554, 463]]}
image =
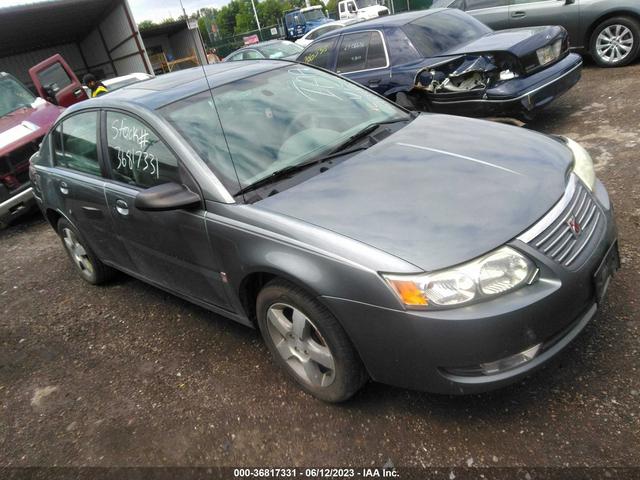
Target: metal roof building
{"points": [[100, 36]]}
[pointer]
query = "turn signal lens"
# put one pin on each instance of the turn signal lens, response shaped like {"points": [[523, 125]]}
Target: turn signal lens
{"points": [[408, 291]]}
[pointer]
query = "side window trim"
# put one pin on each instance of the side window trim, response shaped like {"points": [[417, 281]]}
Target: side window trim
{"points": [[105, 148], [384, 46], [507, 3], [60, 124]]}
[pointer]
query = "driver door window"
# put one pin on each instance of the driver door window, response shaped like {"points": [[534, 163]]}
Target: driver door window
{"points": [[137, 155]]}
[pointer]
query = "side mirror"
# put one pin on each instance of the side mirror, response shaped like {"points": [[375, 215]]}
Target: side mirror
{"points": [[168, 196]]}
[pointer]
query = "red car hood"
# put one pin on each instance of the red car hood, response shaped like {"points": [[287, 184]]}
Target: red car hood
{"points": [[26, 124]]}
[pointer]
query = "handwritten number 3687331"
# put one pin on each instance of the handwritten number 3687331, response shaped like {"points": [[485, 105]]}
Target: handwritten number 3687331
{"points": [[137, 160]]}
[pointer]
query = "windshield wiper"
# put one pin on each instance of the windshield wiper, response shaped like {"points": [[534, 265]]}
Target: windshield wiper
{"points": [[335, 152], [365, 132], [290, 170]]}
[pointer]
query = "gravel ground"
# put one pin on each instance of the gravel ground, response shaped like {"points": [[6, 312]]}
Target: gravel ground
{"points": [[125, 374]]}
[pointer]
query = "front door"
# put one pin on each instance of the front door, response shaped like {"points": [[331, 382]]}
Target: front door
{"points": [[531, 13], [493, 13], [168, 248], [55, 81]]}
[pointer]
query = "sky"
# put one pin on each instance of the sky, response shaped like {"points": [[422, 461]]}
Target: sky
{"points": [[155, 10]]}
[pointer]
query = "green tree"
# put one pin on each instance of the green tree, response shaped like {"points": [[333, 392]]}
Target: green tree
{"points": [[332, 7], [146, 24]]}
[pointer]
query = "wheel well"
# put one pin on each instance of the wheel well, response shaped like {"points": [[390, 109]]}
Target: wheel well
{"points": [[607, 16], [53, 217], [249, 290]]}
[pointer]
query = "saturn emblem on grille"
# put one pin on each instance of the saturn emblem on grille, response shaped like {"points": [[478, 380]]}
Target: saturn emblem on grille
{"points": [[574, 226]]}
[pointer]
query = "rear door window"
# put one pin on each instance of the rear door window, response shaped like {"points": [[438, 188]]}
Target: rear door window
{"points": [[137, 155], [361, 51], [75, 143]]}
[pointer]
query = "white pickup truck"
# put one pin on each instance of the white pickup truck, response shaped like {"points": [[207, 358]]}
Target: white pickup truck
{"points": [[361, 9]]}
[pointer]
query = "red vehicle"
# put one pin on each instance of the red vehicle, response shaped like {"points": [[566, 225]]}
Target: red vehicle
{"points": [[55, 82], [24, 120]]}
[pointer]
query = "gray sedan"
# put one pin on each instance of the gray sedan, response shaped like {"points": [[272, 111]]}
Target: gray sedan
{"points": [[363, 241], [608, 29]]}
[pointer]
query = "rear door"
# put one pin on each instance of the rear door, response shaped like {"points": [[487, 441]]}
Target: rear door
{"points": [[362, 57], [493, 13], [77, 183], [55, 81], [168, 248], [530, 13]]}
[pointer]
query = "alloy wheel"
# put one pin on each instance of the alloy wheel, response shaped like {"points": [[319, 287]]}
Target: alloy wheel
{"points": [[77, 252], [301, 345], [614, 43]]}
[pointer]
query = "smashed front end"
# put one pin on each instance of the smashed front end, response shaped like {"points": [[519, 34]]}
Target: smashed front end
{"points": [[515, 81]]}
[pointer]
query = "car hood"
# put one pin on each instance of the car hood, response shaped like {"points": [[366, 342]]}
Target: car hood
{"points": [[438, 192], [26, 124], [518, 41]]}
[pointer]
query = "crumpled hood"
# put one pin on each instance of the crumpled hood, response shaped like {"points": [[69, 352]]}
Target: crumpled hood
{"points": [[438, 192], [27, 123]]}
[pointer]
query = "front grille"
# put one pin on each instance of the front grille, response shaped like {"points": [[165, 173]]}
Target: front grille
{"points": [[14, 167], [572, 230]]}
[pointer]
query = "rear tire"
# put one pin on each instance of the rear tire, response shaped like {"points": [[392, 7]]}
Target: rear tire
{"points": [[90, 268], [615, 42], [308, 343]]}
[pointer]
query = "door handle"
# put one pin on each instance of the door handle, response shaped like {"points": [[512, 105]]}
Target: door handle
{"points": [[64, 188], [77, 92], [122, 208], [373, 83], [519, 14]]}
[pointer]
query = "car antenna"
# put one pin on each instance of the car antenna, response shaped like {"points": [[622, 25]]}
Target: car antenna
{"points": [[206, 78]]}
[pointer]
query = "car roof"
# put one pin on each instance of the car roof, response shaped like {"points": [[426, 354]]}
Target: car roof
{"points": [[165, 89]]}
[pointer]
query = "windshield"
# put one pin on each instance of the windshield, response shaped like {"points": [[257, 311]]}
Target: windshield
{"points": [[280, 49], [366, 3], [313, 15], [275, 120], [435, 33], [13, 95]]}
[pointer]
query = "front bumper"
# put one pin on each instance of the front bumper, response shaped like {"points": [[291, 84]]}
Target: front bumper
{"points": [[424, 350], [521, 97], [17, 204]]}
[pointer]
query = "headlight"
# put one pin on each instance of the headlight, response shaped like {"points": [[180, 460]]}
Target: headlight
{"points": [[582, 163], [498, 272]]}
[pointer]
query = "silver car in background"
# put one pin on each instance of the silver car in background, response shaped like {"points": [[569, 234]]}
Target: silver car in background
{"points": [[608, 29]]}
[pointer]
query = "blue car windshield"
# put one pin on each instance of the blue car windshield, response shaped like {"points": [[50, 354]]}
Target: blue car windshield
{"points": [[313, 15], [253, 127], [435, 33]]}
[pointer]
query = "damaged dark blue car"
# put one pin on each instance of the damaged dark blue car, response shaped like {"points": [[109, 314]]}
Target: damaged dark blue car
{"points": [[444, 60]]}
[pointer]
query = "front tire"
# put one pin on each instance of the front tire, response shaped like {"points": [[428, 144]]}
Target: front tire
{"points": [[90, 268], [308, 343], [615, 42]]}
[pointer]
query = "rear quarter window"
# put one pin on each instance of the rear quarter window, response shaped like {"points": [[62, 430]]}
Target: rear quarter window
{"points": [[435, 33]]}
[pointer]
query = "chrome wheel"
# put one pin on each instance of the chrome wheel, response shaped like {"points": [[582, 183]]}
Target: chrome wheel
{"points": [[614, 43], [301, 345], [77, 252]]}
